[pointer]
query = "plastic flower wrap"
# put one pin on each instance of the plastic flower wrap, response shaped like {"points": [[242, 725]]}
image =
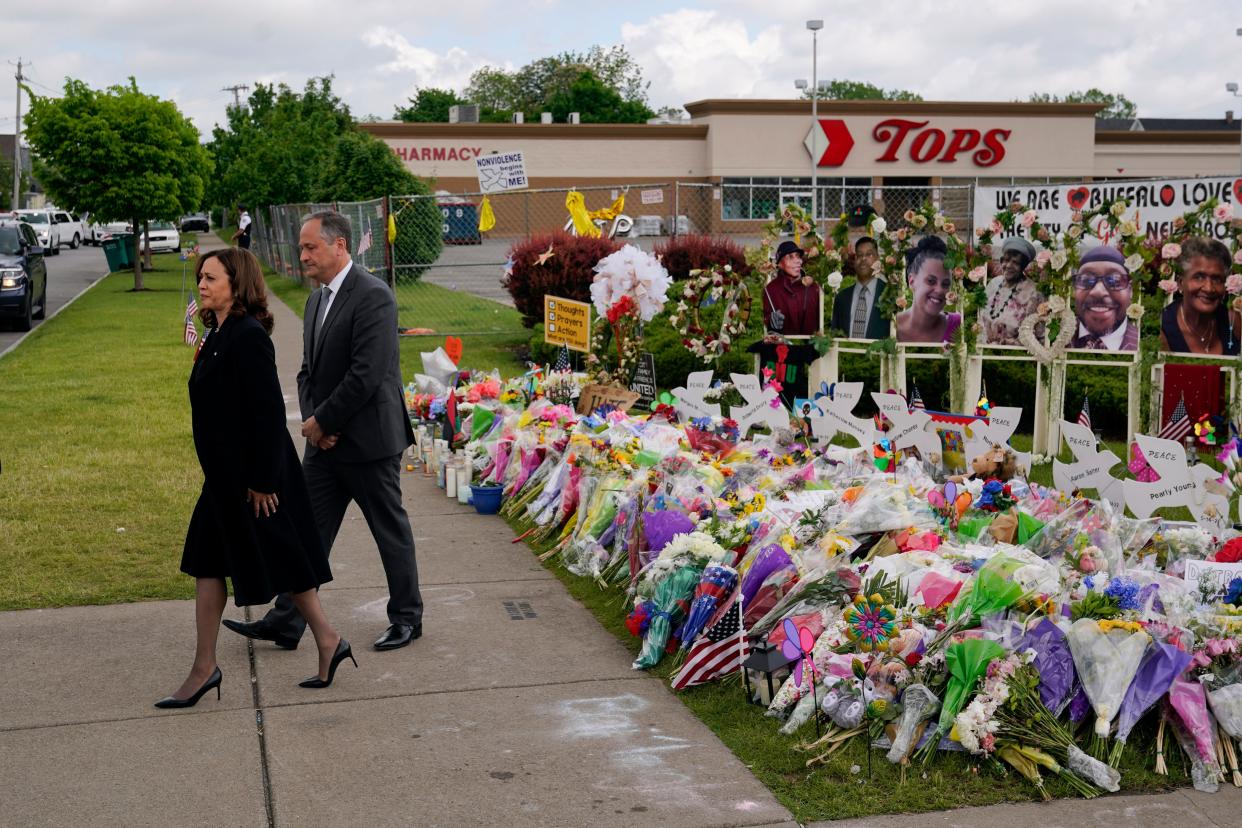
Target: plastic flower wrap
{"points": [[993, 590], [662, 525], [1188, 698], [1162, 663], [1107, 660], [918, 705], [1226, 704], [716, 584], [884, 507], [1053, 661], [634, 273], [966, 661], [670, 603]]}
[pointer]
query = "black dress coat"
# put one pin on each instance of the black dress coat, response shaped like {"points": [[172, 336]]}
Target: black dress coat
{"points": [[242, 441]]}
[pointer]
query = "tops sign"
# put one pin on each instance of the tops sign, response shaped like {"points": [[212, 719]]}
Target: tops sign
{"points": [[904, 139]]}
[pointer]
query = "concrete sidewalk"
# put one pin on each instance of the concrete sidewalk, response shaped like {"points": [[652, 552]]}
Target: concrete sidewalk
{"points": [[495, 717], [516, 708]]}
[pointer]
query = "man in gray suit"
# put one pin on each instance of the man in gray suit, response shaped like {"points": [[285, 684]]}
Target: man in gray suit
{"points": [[355, 424]]}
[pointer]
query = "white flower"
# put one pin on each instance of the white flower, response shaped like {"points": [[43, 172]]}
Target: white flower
{"points": [[1074, 231], [635, 273], [1056, 304], [1118, 208], [1133, 262], [834, 279], [1128, 228], [878, 225], [1058, 260]]}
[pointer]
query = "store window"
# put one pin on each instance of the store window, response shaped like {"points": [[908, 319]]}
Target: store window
{"points": [[754, 198]]}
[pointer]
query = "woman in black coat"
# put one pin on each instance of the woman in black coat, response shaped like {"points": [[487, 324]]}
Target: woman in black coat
{"points": [[253, 523]]}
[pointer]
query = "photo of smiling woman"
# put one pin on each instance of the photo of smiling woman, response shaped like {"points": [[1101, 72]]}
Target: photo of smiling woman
{"points": [[1198, 320], [926, 320]]}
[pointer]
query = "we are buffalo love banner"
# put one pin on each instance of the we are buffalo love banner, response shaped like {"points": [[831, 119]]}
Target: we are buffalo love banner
{"points": [[1153, 203]]}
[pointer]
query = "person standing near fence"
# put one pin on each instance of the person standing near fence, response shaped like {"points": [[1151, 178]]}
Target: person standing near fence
{"points": [[355, 424], [242, 236]]}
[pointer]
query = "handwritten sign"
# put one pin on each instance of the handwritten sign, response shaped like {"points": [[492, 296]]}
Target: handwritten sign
{"points": [[836, 415], [1194, 487], [910, 428], [689, 401], [644, 382], [501, 172], [1211, 578], [593, 396], [758, 409], [567, 322], [651, 196], [1090, 469]]}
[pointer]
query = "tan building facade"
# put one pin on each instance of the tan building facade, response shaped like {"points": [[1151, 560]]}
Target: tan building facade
{"points": [[747, 156]]}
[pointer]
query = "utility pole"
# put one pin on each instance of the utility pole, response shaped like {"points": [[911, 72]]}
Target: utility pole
{"points": [[17, 141], [236, 89]]}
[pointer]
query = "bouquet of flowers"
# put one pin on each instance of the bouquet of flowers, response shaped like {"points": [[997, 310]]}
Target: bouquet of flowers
{"points": [[1107, 655], [1162, 663], [669, 605]]}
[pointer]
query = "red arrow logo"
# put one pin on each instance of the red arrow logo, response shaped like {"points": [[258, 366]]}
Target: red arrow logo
{"points": [[840, 142]]}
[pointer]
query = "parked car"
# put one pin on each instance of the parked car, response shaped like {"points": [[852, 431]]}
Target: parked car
{"points": [[97, 234], [45, 227], [23, 274], [164, 237], [195, 222], [72, 232]]}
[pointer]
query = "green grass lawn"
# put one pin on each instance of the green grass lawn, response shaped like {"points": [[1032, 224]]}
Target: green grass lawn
{"points": [[99, 469]]}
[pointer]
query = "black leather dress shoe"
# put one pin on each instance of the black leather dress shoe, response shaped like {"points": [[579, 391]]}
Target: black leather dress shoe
{"points": [[398, 635], [261, 632]]}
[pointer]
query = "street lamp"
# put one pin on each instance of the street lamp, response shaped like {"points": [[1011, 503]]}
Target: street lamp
{"points": [[814, 26], [1232, 88]]}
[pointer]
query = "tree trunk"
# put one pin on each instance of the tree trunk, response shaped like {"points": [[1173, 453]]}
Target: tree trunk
{"points": [[146, 244], [137, 256]]}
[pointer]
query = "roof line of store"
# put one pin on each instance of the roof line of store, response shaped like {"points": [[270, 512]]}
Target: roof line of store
{"points": [[738, 106], [403, 129]]}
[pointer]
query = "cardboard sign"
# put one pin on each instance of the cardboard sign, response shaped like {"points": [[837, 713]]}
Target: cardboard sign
{"points": [[651, 196], [911, 429], [1090, 467], [593, 396], [836, 415], [1211, 578], [1002, 421], [758, 408], [644, 381], [501, 171], [567, 322], [1194, 487], [689, 401]]}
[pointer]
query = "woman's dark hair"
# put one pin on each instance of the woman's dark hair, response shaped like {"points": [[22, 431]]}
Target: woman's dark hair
{"points": [[929, 247], [1210, 249], [246, 279]]}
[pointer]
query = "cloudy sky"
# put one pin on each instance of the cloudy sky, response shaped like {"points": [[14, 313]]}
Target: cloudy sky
{"points": [[1171, 57]]}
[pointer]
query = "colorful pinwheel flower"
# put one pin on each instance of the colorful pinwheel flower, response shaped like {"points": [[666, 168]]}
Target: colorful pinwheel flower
{"points": [[870, 622]]}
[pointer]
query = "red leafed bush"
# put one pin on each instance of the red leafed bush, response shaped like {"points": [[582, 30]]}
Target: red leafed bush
{"points": [[682, 254], [566, 273]]}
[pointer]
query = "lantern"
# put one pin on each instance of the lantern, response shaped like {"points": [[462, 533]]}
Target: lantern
{"points": [[764, 671]]}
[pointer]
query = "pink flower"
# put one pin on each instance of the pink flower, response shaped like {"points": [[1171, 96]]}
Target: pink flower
{"points": [[1043, 257], [1200, 659], [996, 227], [1237, 257], [1171, 250], [1086, 563], [1222, 212], [1029, 218], [1168, 285], [1233, 284], [977, 274]]}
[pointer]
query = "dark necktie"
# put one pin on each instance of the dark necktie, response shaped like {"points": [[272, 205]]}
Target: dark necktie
{"points": [[323, 314]]}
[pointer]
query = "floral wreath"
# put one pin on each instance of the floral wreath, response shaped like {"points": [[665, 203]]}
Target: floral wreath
{"points": [[715, 284], [823, 258]]}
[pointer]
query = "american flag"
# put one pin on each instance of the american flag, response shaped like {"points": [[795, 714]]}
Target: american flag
{"points": [[562, 359], [916, 400], [719, 651], [364, 244], [1179, 424], [191, 332], [1084, 416]]}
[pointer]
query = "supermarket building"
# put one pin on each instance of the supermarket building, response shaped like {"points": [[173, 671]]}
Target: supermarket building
{"points": [[729, 166]]}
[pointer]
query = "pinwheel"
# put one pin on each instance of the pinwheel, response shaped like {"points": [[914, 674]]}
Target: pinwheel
{"points": [[870, 622], [798, 645]]}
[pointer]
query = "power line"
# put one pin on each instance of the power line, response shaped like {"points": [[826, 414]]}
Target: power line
{"points": [[236, 89]]}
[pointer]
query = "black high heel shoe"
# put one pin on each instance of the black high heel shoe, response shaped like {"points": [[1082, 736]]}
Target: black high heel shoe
{"points": [[343, 652], [213, 681]]}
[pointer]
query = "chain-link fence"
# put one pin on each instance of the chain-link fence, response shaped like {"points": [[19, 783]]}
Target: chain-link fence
{"points": [[447, 274]]}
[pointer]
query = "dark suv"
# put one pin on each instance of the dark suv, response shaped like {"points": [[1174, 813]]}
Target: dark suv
{"points": [[23, 274], [195, 222]]}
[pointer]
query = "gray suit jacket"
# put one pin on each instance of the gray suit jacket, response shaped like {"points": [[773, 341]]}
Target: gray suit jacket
{"points": [[351, 380]]}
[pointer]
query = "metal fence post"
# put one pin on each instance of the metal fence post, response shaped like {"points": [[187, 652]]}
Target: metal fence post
{"points": [[676, 206]]}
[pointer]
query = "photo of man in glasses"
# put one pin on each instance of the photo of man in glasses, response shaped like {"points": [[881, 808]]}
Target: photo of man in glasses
{"points": [[1102, 292]]}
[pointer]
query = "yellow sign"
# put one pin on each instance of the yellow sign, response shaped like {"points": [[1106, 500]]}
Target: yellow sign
{"points": [[567, 322]]}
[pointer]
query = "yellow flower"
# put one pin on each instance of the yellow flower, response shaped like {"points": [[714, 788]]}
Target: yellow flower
{"points": [[1109, 624], [787, 541]]}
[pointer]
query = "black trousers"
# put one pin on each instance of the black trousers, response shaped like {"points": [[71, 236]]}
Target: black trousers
{"points": [[376, 488]]}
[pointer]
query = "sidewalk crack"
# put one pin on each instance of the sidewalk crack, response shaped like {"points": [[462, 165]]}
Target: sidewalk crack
{"points": [[269, 802]]}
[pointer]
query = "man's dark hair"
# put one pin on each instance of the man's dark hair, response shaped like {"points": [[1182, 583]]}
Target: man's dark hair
{"points": [[332, 226], [866, 240]]}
